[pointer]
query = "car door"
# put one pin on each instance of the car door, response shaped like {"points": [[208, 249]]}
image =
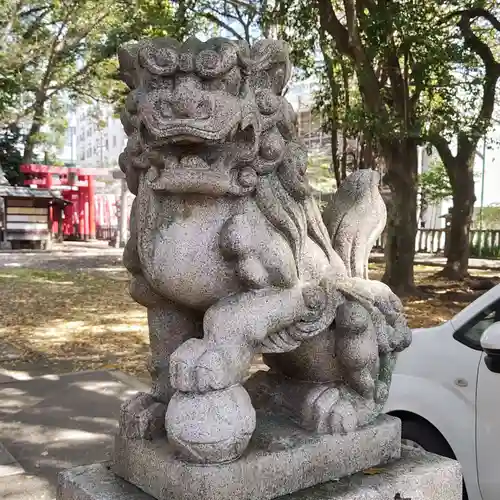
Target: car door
{"points": [[487, 404], [488, 429]]}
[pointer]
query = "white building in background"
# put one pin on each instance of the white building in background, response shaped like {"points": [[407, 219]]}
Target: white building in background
{"points": [[431, 216], [67, 153], [300, 94], [486, 181], [99, 141]]}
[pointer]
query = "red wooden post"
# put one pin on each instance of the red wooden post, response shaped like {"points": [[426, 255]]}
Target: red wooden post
{"points": [[91, 197], [86, 209], [81, 211], [52, 222]]}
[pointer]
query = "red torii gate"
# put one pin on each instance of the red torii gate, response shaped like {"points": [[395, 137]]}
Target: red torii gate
{"points": [[77, 186]]}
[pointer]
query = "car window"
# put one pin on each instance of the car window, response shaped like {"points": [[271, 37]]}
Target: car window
{"points": [[470, 333]]}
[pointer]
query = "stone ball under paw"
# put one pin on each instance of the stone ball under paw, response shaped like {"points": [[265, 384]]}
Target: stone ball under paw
{"points": [[212, 427]]}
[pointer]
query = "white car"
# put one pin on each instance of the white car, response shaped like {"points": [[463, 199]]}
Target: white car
{"points": [[446, 391]]}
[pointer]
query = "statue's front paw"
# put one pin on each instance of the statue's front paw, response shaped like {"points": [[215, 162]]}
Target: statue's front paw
{"points": [[197, 366], [402, 335], [142, 417]]}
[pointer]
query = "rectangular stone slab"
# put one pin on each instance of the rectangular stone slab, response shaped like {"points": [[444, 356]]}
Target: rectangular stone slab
{"points": [[281, 458], [416, 476]]}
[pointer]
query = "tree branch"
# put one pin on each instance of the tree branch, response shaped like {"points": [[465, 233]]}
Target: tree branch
{"points": [[468, 143], [396, 77], [476, 12], [352, 48], [331, 25], [211, 17], [245, 25]]}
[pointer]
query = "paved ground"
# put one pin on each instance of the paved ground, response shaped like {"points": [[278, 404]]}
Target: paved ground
{"points": [[48, 423], [98, 256], [433, 260], [70, 256], [51, 423]]}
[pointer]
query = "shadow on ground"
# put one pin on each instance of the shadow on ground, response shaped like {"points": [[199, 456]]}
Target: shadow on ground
{"points": [[56, 422]]}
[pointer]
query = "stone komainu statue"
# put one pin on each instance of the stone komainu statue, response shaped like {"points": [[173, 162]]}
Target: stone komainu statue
{"points": [[230, 255]]}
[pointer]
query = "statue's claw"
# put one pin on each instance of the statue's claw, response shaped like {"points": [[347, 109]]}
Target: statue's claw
{"points": [[343, 418], [327, 411], [142, 417], [200, 366]]}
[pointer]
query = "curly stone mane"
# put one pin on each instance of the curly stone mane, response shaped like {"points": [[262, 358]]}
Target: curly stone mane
{"points": [[284, 195]]}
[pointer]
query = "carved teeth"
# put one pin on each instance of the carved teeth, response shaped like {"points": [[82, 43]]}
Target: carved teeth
{"points": [[193, 162], [234, 131], [153, 174]]}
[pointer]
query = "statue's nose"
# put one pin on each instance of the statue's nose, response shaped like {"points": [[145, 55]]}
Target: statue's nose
{"points": [[186, 101]]}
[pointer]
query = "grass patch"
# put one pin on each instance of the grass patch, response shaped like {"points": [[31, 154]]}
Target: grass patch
{"points": [[77, 320], [443, 298], [81, 321]]}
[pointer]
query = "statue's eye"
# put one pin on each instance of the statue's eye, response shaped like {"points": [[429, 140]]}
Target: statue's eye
{"points": [[208, 63], [160, 83], [158, 61], [230, 82]]}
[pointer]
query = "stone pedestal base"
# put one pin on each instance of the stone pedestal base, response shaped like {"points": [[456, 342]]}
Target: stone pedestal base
{"points": [[416, 476], [281, 458]]}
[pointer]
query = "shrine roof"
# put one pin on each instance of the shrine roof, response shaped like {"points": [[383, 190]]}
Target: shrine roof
{"points": [[26, 192]]}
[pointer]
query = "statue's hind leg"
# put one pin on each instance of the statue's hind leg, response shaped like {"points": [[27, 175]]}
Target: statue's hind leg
{"points": [[340, 379], [329, 381]]}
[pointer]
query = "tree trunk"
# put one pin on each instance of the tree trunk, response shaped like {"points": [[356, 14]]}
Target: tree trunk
{"points": [[32, 137], [457, 262], [344, 155], [402, 163]]}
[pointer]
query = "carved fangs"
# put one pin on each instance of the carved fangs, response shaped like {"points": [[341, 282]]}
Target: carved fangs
{"points": [[234, 131]]}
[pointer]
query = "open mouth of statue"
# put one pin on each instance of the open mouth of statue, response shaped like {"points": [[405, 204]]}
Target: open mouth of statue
{"points": [[184, 134], [197, 164], [188, 131], [186, 143]]}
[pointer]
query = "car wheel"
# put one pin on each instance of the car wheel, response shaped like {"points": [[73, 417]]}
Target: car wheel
{"points": [[422, 435]]}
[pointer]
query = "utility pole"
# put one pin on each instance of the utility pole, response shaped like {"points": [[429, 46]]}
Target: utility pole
{"points": [[482, 199], [72, 135]]}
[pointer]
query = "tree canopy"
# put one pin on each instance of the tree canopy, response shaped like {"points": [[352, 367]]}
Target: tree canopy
{"points": [[398, 75], [53, 53], [393, 76]]}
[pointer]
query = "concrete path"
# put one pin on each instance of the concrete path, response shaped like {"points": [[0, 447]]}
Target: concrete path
{"points": [[98, 256], [71, 256], [51, 423], [433, 260]]}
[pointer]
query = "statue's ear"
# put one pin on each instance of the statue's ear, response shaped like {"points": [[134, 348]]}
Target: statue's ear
{"points": [[127, 58], [271, 65]]}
